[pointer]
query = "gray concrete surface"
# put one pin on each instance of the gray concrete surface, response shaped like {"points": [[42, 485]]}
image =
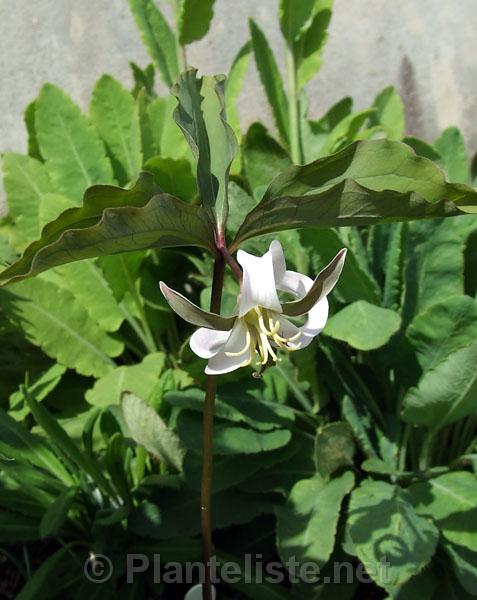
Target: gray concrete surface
{"points": [[426, 48]]}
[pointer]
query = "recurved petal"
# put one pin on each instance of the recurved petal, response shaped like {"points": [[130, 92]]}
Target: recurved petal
{"points": [[192, 313], [258, 286], [315, 322], [232, 356], [208, 342], [322, 286]]}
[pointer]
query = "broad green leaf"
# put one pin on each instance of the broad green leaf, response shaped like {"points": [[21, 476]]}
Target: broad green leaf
{"points": [[193, 19], [334, 447], [233, 469], [145, 125], [138, 379], [263, 158], [271, 80], [115, 115], [18, 443], [307, 523], [367, 182], [75, 156], [113, 220], [451, 500], [238, 405], [121, 271], [56, 515], [173, 176], [51, 208], [87, 283], [355, 283], [39, 585], [443, 328], [424, 149], [240, 204], [363, 326], [233, 86], [229, 439], [389, 113], [51, 317], [451, 146], [158, 38], [200, 115], [463, 561], [420, 587], [435, 264], [383, 526], [26, 183], [39, 389], [308, 48], [294, 16], [148, 429], [446, 393]]}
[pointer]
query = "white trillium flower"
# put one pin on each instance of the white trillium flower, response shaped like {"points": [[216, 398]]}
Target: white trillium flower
{"points": [[261, 327]]}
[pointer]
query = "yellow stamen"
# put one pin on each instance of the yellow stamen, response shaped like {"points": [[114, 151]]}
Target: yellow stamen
{"points": [[244, 349]]}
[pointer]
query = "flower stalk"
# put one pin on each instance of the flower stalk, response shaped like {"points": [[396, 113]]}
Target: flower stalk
{"points": [[208, 441]]}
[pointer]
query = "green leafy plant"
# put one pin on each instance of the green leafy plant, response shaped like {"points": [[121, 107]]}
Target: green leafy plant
{"points": [[367, 432]]}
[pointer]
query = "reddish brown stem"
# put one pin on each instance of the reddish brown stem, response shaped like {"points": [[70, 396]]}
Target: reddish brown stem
{"points": [[207, 441]]}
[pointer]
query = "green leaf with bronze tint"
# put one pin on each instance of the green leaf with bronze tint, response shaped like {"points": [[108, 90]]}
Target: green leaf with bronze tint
{"points": [[115, 115], [308, 522], [193, 19], [200, 114], [271, 80], [148, 429], [451, 146], [383, 525], [389, 113], [363, 326], [158, 38], [367, 182], [62, 328], [443, 328], [446, 393], [114, 220], [75, 156], [264, 158]]}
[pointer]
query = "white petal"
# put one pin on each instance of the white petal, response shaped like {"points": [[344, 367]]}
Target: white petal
{"points": [[221, 363], [315, 322], [208, 342], [295, 283], [278, 259], [258, 286]]}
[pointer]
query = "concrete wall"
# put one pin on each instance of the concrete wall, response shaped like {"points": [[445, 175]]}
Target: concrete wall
{"points": [[426, 48]]}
